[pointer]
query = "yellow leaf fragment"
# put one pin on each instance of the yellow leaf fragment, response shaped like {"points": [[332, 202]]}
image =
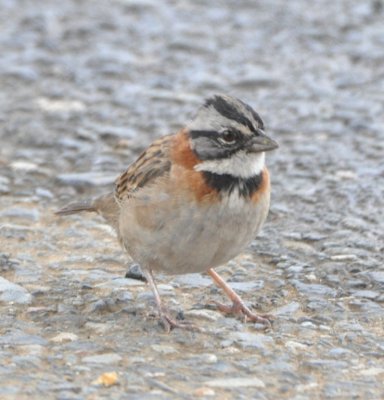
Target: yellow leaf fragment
{"points": [[107, 379]]}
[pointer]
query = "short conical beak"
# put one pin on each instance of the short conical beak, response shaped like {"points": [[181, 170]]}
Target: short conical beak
{"points": [[262, 142]]}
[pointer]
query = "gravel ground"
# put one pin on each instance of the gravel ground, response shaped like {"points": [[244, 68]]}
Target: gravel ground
{"points": [[85, 86]]}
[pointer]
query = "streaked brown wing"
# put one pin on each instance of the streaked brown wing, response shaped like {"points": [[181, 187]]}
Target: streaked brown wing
{"points": [[152, 163]]}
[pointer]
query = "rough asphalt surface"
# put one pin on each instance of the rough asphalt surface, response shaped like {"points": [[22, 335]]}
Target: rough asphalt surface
{"points": [[85, 86]]}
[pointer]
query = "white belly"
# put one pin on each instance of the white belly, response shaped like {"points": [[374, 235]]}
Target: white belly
{"points": [[177, 239]]}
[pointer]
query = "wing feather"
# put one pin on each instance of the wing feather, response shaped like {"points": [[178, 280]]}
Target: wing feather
{"points": [[152, 163]]}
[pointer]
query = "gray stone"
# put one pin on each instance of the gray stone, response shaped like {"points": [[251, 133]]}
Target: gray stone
{"points": [[13, 293], [86, 179], [7, 263], [106, 358], [367, 294], [22, 213], [205, 358], [135, 273], [4, 185], [64, 337], [326, 364], [102, 305], [19, 338], [193, 280], [339, 352], [377, 276], [208, 315], [44, 193], [125, 296], [123, 282], [257, 341], [233, 383], [246, 286], [313, 289], [287, 309], [163, 349]]}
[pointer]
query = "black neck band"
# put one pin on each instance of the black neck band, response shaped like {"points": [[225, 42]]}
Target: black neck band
{"points": [[228, 183]]}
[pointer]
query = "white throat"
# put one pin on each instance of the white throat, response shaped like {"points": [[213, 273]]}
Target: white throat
{"points": [[241, 165]]}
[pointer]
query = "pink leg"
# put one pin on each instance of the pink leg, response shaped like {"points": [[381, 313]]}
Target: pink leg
{"points": [[238, 306], [165, 319]]}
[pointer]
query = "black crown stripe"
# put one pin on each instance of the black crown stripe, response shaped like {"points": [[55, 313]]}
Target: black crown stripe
{"points": [[227, 110]]}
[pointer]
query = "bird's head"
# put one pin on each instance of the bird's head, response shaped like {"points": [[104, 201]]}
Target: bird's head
{"points": [[228, 137]]}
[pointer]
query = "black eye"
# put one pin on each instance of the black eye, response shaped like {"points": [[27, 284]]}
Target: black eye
{"points": [[228, 137]]}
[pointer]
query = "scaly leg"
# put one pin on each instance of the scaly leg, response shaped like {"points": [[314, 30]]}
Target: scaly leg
{"points": [[167, 322], [238, 306]]}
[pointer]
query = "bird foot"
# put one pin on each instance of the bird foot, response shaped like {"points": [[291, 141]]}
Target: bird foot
{"points": [[169, 323], [238, 308]]}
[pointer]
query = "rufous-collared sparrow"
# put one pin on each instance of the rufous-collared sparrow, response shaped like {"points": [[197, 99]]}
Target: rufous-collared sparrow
{"points": [[193, 200]]}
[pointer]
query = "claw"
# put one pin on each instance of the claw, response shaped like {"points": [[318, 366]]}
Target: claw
{"points": [[166, 321], [238, 308], [169, 323]]}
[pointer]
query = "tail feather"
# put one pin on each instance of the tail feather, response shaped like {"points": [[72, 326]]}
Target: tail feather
{"points": [[75, 207], [104, 205]]}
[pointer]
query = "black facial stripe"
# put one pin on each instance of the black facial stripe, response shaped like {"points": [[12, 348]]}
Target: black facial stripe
{"points": [[228, 183], [212, 149], [215, 135], [197, 134], [227, 110]]}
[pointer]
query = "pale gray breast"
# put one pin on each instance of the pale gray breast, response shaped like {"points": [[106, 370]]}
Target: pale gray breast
{"points": [[175, 238]]}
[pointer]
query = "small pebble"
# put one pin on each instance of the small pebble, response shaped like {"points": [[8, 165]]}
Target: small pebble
{"points": [[233, 383], [204, 392], [106, 358], [64, 337], [163, 349]]}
